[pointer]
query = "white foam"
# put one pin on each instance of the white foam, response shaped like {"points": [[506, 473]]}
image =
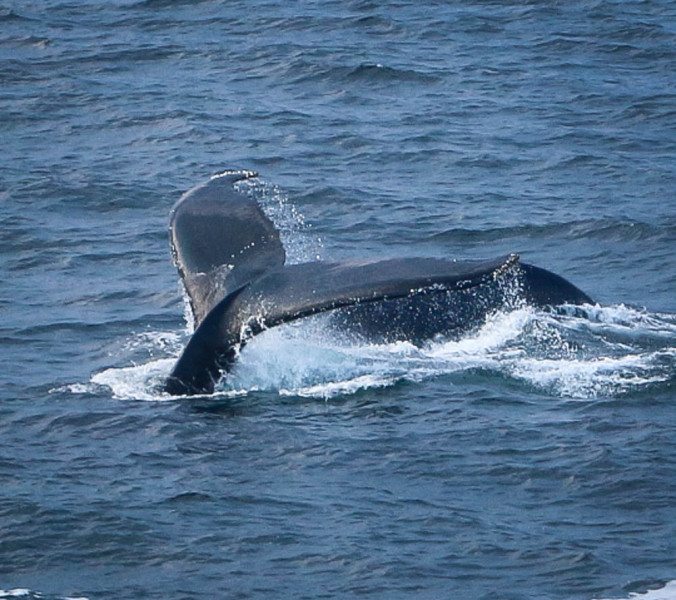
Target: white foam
{"points": [[560, 353], [339, 388], [499, 329], [623, 318], [22, 592], [73, 388], [142, 381], [139, 382], [668, 592], [310, 362], [589, 378]]}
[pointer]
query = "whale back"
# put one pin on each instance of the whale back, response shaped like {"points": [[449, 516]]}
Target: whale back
{"points": [[221, 239]]}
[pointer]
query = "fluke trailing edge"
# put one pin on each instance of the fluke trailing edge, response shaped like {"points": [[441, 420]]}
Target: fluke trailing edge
{"points": [[231, 261]]}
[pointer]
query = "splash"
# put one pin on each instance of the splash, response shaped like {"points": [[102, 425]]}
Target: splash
{"points": [[561, 353], [140, 382], [300, 245]]}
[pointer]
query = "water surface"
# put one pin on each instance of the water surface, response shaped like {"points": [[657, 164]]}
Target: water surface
{"points": [[533, 458]]}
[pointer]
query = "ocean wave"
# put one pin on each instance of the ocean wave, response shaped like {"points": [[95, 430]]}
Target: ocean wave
{"points": [[169, 4], [303, 71], [593, 229], [31, 41], [8, 15]]}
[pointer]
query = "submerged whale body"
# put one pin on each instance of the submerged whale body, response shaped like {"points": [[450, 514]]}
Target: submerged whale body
{"points": [[232, 263]]}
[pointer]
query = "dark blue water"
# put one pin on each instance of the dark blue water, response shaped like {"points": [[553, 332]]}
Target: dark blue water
{"points": [[533, 459]]}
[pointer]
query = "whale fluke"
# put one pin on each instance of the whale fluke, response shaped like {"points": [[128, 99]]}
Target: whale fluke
{"points": [[220, 240], [231, 260]]}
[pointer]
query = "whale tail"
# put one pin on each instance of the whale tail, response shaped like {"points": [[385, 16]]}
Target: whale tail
{"points": [[231, 261]]}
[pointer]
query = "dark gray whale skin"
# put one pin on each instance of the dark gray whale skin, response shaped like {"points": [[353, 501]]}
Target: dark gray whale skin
{"points": [[231, 261]]}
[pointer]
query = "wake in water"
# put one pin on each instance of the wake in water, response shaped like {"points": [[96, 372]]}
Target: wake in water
{"points": [[575, 352]]}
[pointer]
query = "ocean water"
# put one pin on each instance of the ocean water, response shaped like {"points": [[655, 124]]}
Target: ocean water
{"points": [[535, 458]]}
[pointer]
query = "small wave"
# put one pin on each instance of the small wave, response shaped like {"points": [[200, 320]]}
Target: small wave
{"points": [[370, 73], [154, 4], [30, 41], [376, 24], [657, 107], [117, 57], [7, 15], [666, 592], [559, 44], [378, 72], [603, 229], [74, 388]]}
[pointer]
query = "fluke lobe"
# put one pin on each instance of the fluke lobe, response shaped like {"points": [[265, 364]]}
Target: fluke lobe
{"points": [[231, 261]]}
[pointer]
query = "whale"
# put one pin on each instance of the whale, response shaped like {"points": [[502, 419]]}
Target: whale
{"points": [[232, 264]]}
